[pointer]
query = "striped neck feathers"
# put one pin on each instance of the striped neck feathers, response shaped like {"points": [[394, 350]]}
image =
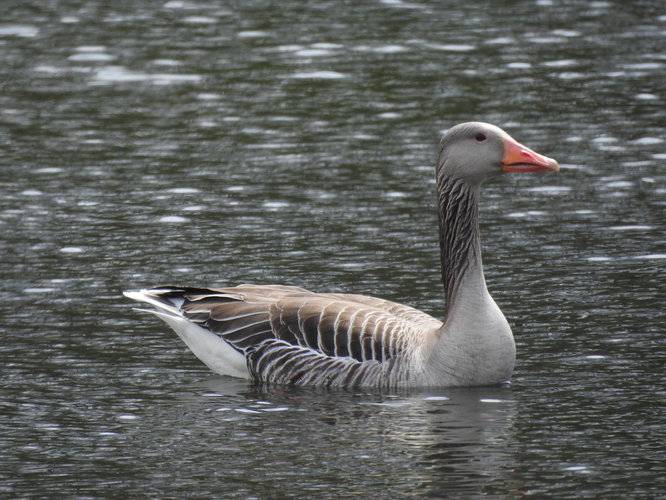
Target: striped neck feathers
{"points": [[459, 240]]}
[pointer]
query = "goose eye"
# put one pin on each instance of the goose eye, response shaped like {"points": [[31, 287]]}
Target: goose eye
{"points": [[480, 137]]}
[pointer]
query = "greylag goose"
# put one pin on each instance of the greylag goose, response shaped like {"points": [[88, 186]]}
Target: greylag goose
{"points": [[289, 335]]}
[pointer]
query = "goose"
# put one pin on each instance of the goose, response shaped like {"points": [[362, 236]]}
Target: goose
{"points": [[276, 334]]}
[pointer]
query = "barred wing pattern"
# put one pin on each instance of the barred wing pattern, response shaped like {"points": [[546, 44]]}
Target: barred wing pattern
{"points": [[277, 361], [291, 335]]}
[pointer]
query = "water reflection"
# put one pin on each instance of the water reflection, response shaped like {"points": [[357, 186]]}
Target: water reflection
{"points": [[453, 441]]}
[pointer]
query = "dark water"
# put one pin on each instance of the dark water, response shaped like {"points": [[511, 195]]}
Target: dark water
{"points": [[217, 143]]}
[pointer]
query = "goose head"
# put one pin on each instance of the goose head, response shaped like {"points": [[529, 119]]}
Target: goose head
{"points": [[476, 151]]}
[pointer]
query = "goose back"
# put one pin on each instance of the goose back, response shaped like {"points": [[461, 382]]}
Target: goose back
{"points": [[291, 335]]}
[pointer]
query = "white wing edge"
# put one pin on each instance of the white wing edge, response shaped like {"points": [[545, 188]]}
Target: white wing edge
{"points": [[215, 353]]}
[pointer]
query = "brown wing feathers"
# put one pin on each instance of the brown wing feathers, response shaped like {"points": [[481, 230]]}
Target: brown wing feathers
{"points": [[332, 324], [291, 335], [280, 362]]}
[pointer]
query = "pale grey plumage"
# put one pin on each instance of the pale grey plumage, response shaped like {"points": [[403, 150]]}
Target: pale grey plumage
{"points": [[289, 335]]}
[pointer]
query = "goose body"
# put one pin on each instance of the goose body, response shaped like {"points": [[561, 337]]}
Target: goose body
{"points": [[289, 335]]}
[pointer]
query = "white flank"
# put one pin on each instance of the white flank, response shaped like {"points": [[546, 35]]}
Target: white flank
{"points": [[217, 354]]}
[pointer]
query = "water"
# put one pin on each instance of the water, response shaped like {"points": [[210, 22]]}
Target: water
{"points": [[214, 143]]}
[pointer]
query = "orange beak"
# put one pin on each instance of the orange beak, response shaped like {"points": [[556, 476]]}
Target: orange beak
{"points": [[518, 158]]}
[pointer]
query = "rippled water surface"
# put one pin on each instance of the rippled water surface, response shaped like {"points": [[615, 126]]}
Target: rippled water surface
{"points": [[225, 142]]}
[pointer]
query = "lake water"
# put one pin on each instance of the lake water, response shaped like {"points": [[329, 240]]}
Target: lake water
{"points": [[215, 143]]}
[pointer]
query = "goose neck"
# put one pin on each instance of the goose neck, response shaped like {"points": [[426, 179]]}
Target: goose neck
{"points": [[459, 240]]}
